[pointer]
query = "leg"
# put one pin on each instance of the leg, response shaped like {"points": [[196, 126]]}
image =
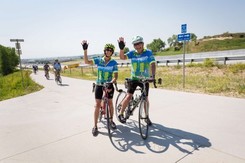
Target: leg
{"points": [[98, 99], [96, 111]]}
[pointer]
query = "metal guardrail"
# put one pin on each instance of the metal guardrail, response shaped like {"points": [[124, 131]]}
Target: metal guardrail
{"points": [[191, 60]]}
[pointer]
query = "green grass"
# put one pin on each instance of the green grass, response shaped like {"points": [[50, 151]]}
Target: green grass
{"points": [[11, 85], [207, 77]]}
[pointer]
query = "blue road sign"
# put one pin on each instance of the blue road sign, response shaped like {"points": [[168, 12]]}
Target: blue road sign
{"points": [[183, 28], [184, 37]]}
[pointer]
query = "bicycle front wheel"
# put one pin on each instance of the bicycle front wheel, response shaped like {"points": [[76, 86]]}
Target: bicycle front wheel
{"points": [[108, 118], [143, 119], [120, 98]]}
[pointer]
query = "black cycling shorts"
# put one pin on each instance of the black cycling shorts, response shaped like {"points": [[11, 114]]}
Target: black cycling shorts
{"points": [[132, 85], [99, 92]]}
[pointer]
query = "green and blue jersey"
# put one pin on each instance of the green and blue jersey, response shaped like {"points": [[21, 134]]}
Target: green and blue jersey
{"points": [[140, 63], [105, 71]]}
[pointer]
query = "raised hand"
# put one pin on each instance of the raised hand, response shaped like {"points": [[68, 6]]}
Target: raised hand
{"points": [[84, 44]]}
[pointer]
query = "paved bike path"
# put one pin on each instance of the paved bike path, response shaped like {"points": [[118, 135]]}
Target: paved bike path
{"points": [[54, 125]]}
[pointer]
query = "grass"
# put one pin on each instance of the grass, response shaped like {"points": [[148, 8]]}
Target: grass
{"points": [[207, 77], [11, 85]]}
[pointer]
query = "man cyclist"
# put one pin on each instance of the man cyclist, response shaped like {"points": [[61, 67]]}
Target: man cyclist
{"points": [[35, 68], [107, 72], [57, 68], [46, 69], [142, 61]]}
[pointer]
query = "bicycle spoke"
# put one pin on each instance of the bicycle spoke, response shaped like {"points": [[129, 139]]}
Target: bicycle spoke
{"points": [[119, 100]]}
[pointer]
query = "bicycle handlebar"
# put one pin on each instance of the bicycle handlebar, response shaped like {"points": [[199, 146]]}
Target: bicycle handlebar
{"points": [[144, 80], [105, 85]]}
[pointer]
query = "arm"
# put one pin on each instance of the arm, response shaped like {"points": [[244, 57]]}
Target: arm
{"points": [[153, 69], [115, 76], [121, 44], [85, 48]]}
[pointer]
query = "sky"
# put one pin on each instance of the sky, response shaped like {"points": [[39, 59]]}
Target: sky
{"points": [[56, 28]]}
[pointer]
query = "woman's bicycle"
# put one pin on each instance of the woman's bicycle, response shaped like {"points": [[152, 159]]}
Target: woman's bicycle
{"points": [[104, 110], [136, 101]]}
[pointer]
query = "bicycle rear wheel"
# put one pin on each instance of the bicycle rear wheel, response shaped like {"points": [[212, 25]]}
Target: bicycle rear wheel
{"points": [[108, 118], [143, 119], [120, 98], [59, 80]]}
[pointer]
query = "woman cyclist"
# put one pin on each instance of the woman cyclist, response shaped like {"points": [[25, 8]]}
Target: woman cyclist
{"points": [[107, 72]]}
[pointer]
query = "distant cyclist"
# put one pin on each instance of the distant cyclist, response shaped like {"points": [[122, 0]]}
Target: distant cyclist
{"points": [[142, 61], [35, 68], [57, 68], [107, 72], [46, 70]]}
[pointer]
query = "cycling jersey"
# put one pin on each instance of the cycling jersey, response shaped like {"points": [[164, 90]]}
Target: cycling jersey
{"points": [[140, 63], [105, 71], [57, 66], [46, 67]]}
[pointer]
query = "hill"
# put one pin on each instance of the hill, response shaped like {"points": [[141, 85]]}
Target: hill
{"points": [[225, 41]]}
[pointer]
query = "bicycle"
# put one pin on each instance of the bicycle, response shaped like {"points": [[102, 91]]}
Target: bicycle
{"points": [[47, 74], [58, 79], [104, 110], [136, 101]]}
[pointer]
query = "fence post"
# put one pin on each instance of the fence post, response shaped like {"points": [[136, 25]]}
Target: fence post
{"points": [[225, 60], [82, 70]]}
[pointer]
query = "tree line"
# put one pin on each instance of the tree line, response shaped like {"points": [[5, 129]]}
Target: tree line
{"points": [[8, 60], [158, 45]]}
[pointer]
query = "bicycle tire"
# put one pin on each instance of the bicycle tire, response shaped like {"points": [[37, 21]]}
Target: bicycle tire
{"points": [[60, 80], [143, 118], [119, 99], [108, 117]]}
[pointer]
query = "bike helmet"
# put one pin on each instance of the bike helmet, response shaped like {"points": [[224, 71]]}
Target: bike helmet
{"points": [[137, 39], [109, 46]]}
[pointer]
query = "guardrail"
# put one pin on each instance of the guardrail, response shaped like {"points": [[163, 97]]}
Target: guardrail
{"points": [[191, 60]]}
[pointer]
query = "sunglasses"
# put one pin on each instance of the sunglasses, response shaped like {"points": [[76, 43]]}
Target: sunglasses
{"points": [[110, 50], [138, 43]]}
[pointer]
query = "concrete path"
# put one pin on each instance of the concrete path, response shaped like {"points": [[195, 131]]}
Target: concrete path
{"points": [[54, 126]]}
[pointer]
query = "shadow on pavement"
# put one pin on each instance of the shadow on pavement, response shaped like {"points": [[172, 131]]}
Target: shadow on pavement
{"points": [[64, 84], [160, 139]]}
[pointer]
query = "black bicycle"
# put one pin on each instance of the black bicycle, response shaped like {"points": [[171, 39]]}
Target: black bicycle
{"points": [[136, 101], [47, 74], [58, 79], [104, 110]]}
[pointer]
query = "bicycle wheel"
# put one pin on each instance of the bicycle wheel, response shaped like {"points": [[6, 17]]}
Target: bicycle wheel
{"points": [[59, 80], [108, 117], [143, 118], [119, 99]]}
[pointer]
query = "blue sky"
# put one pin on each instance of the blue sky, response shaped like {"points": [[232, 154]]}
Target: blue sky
{"points": [[53, 28]]}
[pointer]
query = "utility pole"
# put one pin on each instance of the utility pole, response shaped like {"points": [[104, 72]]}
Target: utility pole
{"points": [[18, 48]]}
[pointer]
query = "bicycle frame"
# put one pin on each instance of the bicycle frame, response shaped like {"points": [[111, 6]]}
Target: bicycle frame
{"points": [[142, 96], [104, 110], [142, 102]]}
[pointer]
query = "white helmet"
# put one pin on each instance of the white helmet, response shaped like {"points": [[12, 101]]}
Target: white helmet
{"points": [[137, 39]]}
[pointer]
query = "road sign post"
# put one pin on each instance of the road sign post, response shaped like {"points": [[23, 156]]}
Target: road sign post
{"points": [[17, 46], [184, 37]]}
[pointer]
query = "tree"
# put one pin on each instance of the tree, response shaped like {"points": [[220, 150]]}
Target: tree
{"points": [[173, 41], [126, 49], [194, 38], [156, 45], [8, 60]]}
